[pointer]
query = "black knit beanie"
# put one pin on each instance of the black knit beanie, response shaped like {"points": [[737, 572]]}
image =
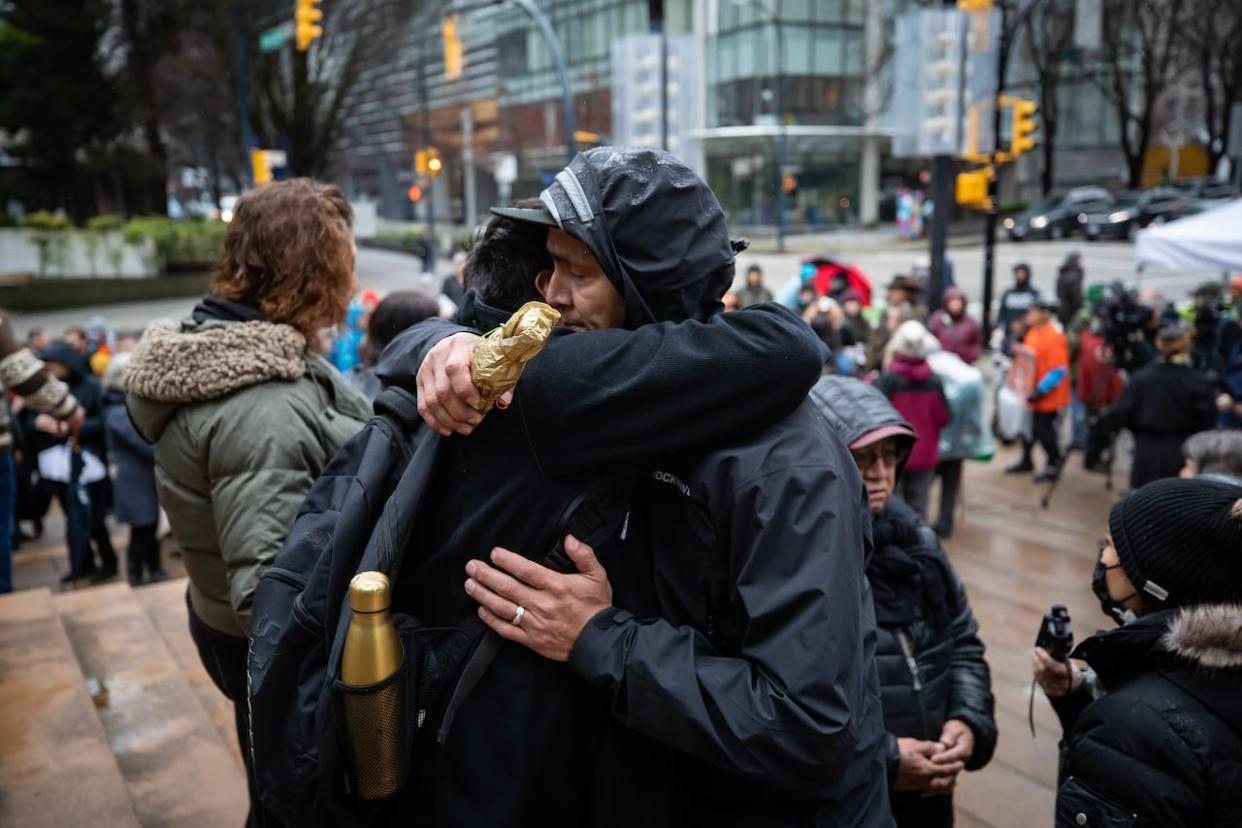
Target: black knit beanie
{"points": [[1180, 541]]}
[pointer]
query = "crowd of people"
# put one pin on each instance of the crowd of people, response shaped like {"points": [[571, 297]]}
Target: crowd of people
{"points": [[768, 630]]}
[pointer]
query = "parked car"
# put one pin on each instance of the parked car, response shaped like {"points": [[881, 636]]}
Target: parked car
{"points": [[1130, 211], [1191, 207], [1056, 216], [1205, 188]]}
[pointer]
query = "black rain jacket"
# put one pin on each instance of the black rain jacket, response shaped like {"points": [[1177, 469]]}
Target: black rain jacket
{"points": [[1163, 747], [590, 403], [755, 654], [528, 746]]}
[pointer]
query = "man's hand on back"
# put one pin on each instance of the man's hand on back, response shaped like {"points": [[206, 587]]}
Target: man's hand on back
{"points": [[555, 606], [447, 397]]}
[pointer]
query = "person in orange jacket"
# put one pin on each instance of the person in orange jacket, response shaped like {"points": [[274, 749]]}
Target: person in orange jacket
{"points": [[1052, 388]]}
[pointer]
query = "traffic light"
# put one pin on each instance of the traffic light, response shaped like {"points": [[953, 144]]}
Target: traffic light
{"points": [[260, 167], [974, 5], [453, 60], [1022, 133], [972, 188], [415, 193], [306, 17], [427, 162]]}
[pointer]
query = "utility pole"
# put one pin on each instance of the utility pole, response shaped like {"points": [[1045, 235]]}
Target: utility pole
{"points": [[429, 199], [989, 233], [944, 171], [241, 65], [655, 19]]}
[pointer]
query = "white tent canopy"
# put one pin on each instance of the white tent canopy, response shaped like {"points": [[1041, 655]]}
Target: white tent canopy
{"points": [[1209, 241]]}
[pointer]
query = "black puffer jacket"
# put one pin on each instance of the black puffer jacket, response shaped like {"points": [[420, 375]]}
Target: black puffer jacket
{"points": [[1164, 747], [928, 651], [953, 680]]}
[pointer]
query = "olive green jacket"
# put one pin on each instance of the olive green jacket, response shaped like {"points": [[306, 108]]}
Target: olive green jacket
{"points": [[243, 419]]}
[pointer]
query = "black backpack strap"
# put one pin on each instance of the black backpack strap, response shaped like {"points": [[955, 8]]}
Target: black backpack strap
{"points": [[399, 405], [597, 514]]}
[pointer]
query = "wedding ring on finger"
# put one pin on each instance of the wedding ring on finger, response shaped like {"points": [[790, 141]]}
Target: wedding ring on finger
{"points": [[517, 616]]}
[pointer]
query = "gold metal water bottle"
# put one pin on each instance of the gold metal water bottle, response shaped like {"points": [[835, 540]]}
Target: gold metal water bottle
{"points": [[373, 698]]}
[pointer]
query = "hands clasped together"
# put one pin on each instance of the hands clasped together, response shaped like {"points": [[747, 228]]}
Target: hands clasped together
{"points": [[931, 768]]}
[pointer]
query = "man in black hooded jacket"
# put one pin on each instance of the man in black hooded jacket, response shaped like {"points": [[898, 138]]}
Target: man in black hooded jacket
{"points": [[749, 650], [522, 748]]}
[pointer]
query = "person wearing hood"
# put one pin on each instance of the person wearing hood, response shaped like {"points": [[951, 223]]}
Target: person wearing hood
{"points": [[244, 414], [754, 292], [397, 311], [72, 368], [1051, 394], [729, 645], [1215, 454], [919, 395], [135, 502], [1014, 304], [1153, 722], [1164, 404], [852, 307], [1069, 288], [936, 688], [30, 382], [957, 330]]}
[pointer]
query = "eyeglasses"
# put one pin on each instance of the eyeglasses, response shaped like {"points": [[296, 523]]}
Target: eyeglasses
{"points": [[865, 458]]}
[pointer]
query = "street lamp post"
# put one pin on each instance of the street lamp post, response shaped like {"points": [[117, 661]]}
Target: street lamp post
{"points": [[558, 61]]}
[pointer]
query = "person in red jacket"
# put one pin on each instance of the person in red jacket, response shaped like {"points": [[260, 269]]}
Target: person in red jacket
{"points": [[1052, 388], [957, 331], [918, 395]]}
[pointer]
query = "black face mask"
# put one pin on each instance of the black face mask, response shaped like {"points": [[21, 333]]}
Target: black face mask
{"points": [[1110, 605]]}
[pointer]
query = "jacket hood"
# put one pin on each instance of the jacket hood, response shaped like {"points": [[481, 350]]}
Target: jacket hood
{"points": [[952, 293], [1209, 635], [205, 360], [854, 409], [653, 225], [915, 370], [63, 353]]}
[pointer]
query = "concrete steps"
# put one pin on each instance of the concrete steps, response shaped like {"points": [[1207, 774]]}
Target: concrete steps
{"points": [[177, 769], [56, 764], [165, 605]]}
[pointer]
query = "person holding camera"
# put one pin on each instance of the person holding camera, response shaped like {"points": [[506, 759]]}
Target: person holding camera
{"points": [[1153, 725], [936, 688]]}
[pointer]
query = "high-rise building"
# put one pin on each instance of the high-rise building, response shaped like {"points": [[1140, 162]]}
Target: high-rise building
{"points": [[747, 82]]}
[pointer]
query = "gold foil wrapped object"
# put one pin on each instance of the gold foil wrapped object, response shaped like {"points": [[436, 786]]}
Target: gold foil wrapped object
{"points": [[501, 354]]}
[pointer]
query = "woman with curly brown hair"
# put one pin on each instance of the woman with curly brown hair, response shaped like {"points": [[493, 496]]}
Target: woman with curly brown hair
{"points": [[244, 413]]}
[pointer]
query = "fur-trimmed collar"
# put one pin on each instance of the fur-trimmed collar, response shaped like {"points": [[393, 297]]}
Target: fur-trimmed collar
{"points": [[1209, 635], [206, 361]]}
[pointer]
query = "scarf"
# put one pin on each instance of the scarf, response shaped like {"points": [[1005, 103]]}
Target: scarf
{"points": [[908, 580]]}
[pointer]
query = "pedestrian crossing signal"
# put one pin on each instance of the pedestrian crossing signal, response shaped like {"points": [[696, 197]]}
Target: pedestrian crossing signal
{"points": [[306, 17]]}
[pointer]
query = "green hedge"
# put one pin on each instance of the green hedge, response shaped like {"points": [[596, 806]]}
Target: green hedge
{"points": [[55, 294], [178, 243], [181, 245]]}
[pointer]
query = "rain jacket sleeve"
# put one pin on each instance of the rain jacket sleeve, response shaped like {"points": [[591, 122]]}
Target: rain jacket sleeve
{"points": [[661, 388], [257, 486], [785, 708], [970, 682]]}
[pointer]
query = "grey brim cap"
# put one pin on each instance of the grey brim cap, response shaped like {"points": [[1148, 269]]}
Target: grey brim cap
{"points": [[529, 215]]}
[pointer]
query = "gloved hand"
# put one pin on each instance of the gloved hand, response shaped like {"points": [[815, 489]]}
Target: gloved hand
{"points": [[1034, 397]]}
